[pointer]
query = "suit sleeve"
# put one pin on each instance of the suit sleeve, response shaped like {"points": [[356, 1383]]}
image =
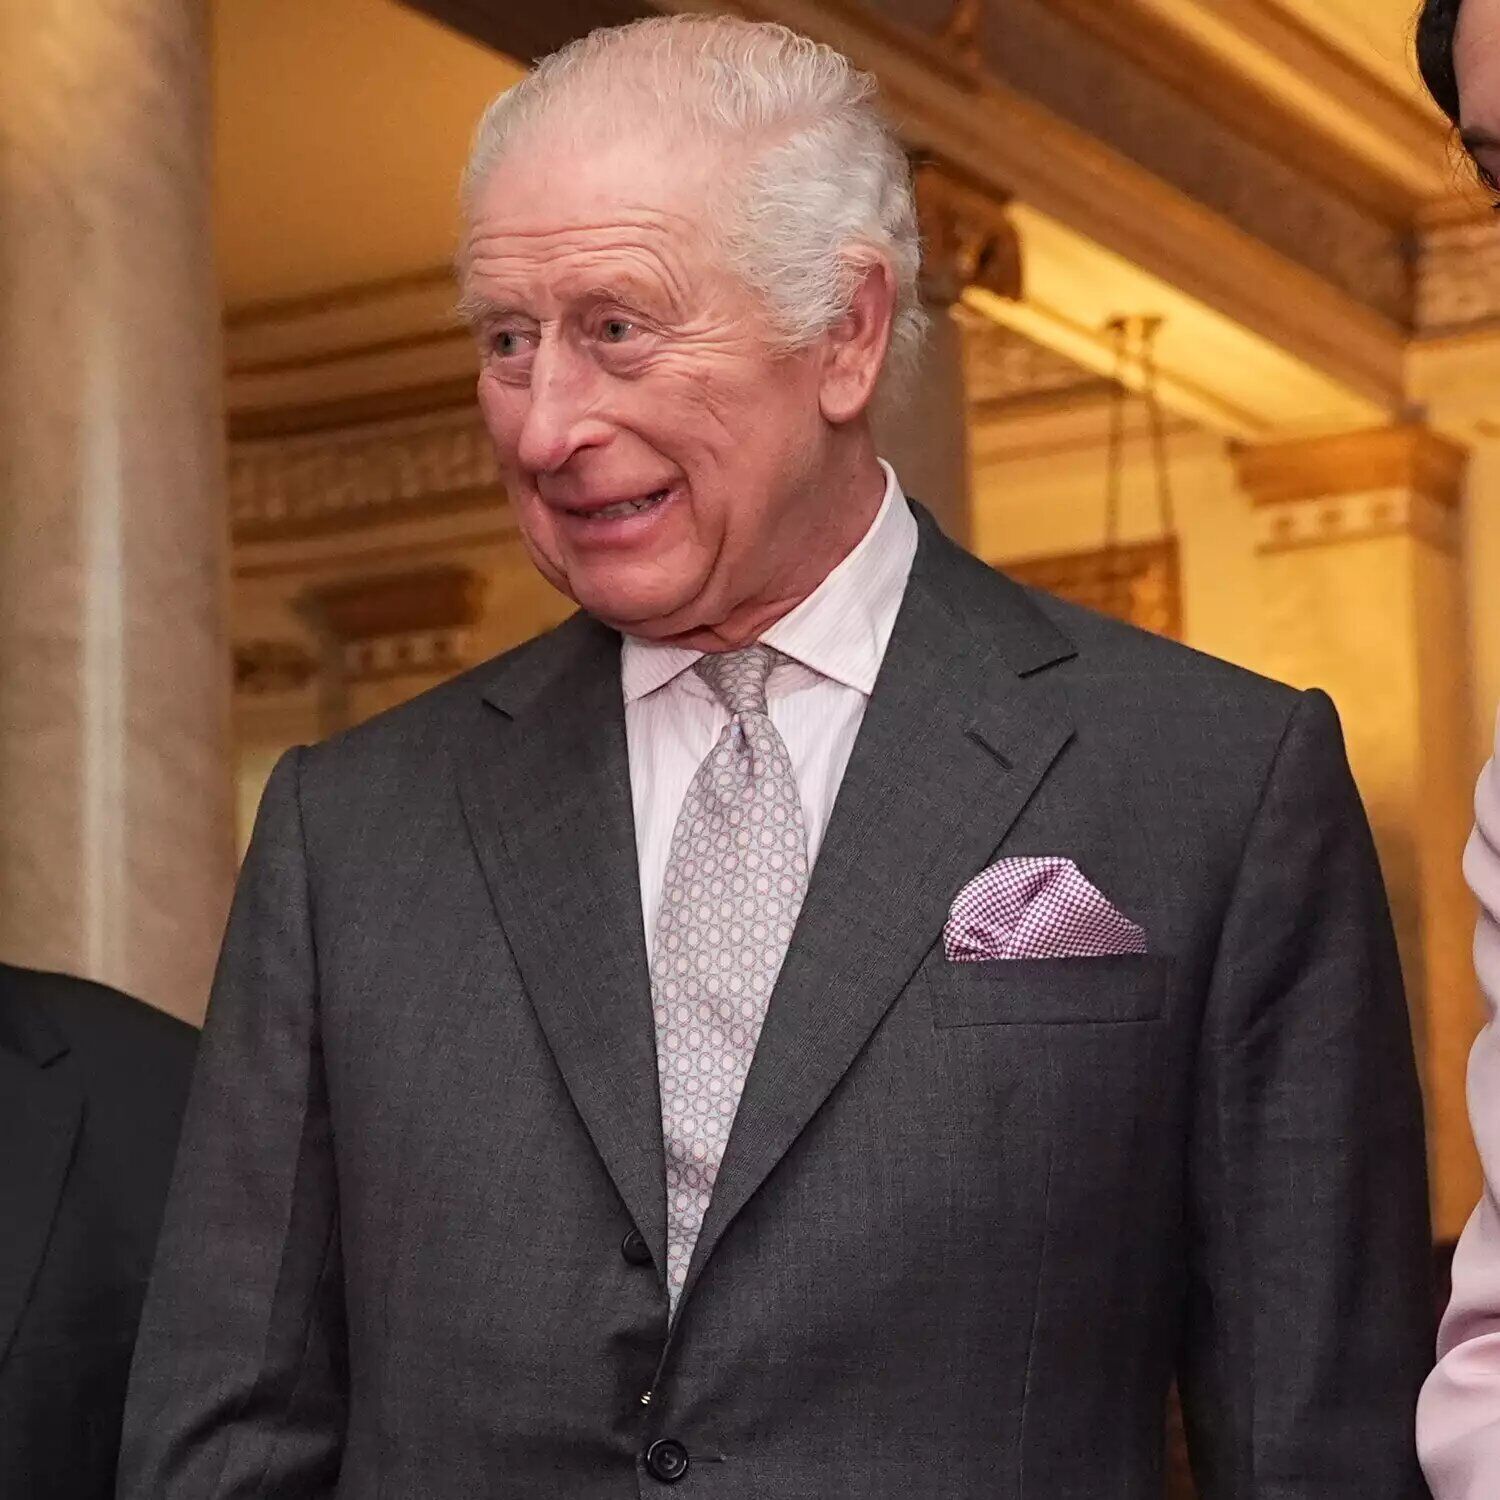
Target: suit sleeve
{"points": [[239, 1381], [1458, 1421], [1308, 1325]]}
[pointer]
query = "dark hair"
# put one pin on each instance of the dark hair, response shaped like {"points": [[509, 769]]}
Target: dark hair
{"points": [[1435, 29]]}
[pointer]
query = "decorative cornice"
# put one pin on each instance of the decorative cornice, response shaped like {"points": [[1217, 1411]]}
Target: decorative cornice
{"points": [[357, 296], [1290, 525], [344, 345], [1407, 458], [967, 241], [1001, 367], [263, 668], [417, 623], [327, 416], [313, 484], [398, 604], [424, 653], [1113, 210], [1264, 70]]}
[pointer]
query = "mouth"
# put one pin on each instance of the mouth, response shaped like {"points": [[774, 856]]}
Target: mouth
{"points": [[619, 510]]}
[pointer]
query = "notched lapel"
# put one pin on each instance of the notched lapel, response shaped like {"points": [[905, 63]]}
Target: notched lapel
{"points": [[954, 744], [545, 785], [41, 1109]]}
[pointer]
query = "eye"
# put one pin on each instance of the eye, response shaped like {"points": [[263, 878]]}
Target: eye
{"points": [[508, 343], [616, 330]]}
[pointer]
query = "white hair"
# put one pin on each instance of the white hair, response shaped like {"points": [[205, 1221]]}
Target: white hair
{"points": [[825, 189]]}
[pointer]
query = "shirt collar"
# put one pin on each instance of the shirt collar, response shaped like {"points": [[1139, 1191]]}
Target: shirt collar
{"points": [[840, 631]]}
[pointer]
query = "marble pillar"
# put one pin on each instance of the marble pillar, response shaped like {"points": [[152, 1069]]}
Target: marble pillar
{"points": [[116, 826], [1358, 559], [922, 423]]}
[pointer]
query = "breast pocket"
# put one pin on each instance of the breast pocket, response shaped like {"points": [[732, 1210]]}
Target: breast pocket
{"points": [[1123, 990]]}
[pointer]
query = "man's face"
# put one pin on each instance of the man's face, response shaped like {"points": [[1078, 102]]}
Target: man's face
{"points": [[660, 451], [1476, 61]]}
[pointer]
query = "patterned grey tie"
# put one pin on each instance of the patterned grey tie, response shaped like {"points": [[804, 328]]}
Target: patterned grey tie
{"points": [[736, 876]]}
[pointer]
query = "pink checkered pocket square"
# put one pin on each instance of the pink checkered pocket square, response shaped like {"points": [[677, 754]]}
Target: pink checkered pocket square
{"points": [[1036, 908]]}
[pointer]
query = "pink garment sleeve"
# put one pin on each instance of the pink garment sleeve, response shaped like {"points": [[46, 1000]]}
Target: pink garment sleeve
{"points": [[1458, 1417]]}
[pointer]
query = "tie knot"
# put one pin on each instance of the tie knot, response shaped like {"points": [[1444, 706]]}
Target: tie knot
{"points": [[738, 678]]}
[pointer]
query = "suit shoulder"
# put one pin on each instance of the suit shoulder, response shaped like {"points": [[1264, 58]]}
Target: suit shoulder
{"points": [[1109, 650], [115, 1037], [421, 724]]}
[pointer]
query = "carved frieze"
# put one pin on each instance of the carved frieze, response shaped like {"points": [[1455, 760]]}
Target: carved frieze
{"points": [[418, 622], [265, 667], [1408, 456], [1001, 366], [437, 653], [966, 238], [312, 484], [1352, 518], [1404, 480]]}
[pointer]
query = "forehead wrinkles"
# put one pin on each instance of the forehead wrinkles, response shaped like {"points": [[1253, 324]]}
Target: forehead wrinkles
{"points": [[657, 249]]}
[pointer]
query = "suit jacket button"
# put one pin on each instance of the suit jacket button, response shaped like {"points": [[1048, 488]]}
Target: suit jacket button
{"points": [[635, 1249], [667, 1460]]}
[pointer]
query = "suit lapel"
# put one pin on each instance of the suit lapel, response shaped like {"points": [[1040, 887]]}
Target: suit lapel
{"points": [[954, 743], [545, 785], [40, 1112]]}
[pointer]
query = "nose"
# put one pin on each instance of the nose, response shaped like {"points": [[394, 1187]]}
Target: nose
{"points": [[559, 419]]}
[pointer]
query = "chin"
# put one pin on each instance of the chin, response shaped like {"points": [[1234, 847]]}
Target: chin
{"points": [[636, 609]]}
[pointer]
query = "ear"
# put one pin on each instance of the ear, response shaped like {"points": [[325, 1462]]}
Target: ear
{"points": [[854, 348]]}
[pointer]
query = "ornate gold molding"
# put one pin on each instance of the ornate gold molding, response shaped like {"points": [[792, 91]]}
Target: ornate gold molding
{"points": [[399, 624], [1409, 458], [967, 241], [313, 484], [392, 604], [1392, 481], [1102, 210], [262, 667], [359, 295], [1002, 367], [434, 653], [1268, 74], [1293, 524], [1139, 583]]}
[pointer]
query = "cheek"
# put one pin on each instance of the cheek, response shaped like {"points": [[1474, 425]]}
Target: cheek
{"points": [[502, 409], [728, 420]]}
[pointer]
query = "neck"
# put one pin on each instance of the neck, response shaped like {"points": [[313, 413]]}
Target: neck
{"points": [[856, 494]]}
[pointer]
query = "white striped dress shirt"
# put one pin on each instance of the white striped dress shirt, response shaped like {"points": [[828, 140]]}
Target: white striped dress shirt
{"points": [[835, 641]]}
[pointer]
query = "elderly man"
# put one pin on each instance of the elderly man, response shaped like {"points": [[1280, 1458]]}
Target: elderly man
{"points": [[823, 1022]]}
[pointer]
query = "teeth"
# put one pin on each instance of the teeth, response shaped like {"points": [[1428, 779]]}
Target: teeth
{"points": [[623, 508]]}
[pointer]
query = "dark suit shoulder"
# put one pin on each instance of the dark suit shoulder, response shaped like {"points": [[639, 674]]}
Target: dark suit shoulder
{"points": [[424, 724], [132, 1065], [133, 1043], [1108, 647], [1110, 660]]}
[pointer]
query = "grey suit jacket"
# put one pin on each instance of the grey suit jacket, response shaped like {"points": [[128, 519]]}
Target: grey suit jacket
{"points": [[972, 1219]]}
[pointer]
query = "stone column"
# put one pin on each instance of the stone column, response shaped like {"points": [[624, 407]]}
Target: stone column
{"points": [[116, 831], [1362, 590], [923, 429]]}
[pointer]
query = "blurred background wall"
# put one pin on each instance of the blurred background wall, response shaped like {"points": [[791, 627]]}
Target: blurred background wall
{"points": [[1218, 349]]}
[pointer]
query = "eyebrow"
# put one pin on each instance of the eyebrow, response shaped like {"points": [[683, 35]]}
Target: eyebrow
{"points": [[1479, 140], [475, 308]]}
